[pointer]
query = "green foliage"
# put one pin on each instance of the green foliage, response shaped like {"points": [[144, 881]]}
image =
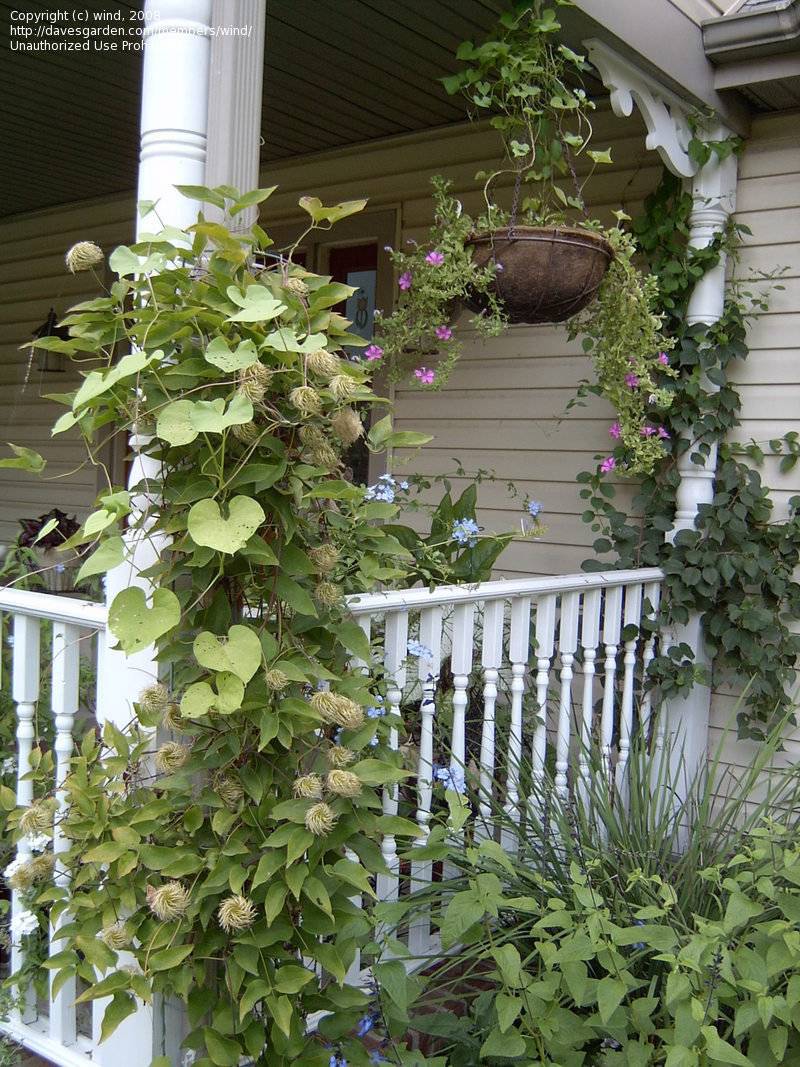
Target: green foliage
{"points": [[737, 566], [208, 840], [649, 930]]}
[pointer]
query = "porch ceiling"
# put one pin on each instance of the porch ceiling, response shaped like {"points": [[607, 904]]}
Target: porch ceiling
{"points": [[338, 72]]}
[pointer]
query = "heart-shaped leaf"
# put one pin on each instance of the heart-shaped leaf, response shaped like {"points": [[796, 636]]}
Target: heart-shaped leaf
{"points": [[257, 304], [199, 699], [218, 353], [110, 553], [207, 525], [174, 423], [98, 382], [285, 340], [26, 459], [134, 624], [179, 423], [239, 653]]}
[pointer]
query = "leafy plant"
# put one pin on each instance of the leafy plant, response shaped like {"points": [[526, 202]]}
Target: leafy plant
{"points": [[216, 843]]}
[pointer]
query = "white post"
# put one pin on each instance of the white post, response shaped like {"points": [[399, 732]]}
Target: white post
{"points": [[713, 194], [174, 126]]}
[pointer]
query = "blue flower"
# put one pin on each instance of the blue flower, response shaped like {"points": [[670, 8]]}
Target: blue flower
{"points": [[416, 648], [465, 532], [534, 508], [377, 1057], [337, 1060], [451, 777], [374, 742], [404, 485], [366, 1024], [383, 489], [378, 710]]}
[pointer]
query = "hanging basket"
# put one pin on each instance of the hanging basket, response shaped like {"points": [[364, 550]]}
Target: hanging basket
{"points": [[547, 275]]}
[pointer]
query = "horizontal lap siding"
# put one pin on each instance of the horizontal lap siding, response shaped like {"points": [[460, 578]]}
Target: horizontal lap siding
{"points": [[768, 202], [33, 278]]}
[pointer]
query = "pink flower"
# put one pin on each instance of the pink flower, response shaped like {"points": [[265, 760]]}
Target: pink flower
{"points": [[615, 430], [424, 375], [436, 259], [373, 352], [663, 359], [647, 431], [663, 434], [608, 464], [631, 380], [405, 280], [444, 333]]}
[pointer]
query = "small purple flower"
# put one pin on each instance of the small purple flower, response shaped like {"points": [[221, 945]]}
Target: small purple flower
{"points": [[337, 1060], [451, 777], [465, 532], [425, 375], [647, 431], [366, 1024], [405, 280], [608, 464], [615, 430], [663, 434], [663, 359], [372, 353], [534, 508], [444, 333], [631, 380], [435, 258]]}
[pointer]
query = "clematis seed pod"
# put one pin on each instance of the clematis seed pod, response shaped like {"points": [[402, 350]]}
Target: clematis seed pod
{"points": [[116, 936], [168, 902], [343, 783], [343, 387], [347, 426], [247, 432], [171, 756], [320, 819], [153, 699], [325, 557], [172, 718], [236, 913], [307, 787], [276, 680], [339, 756], [338, 709], [228, 789], [328, 594], [42, 867], [296, 286], [306, 400], [323, 363], [37, 819], [83, 256]]}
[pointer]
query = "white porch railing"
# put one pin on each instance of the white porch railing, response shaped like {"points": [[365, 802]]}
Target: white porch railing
{"points": [[499, 676]]}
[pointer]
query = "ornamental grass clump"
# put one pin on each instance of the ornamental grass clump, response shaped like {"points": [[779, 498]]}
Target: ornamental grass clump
{"points": [[235, 875]]}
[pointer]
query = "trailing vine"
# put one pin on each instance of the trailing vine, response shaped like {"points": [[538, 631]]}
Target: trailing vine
{"points": [[736, 567]]}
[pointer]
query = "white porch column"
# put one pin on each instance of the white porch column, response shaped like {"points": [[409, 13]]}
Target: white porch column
{"points": [[684, 720], [174, 126]]}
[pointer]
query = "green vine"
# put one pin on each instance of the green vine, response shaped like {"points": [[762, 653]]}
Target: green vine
{"points": [[736, 567]]}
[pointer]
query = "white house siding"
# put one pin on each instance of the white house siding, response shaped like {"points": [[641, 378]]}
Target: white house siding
{"points": [[768, 202], [33, 279], [502, 407]]}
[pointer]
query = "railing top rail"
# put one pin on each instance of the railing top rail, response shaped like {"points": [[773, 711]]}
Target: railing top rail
{"points": [[369, 603], [57, 608]]}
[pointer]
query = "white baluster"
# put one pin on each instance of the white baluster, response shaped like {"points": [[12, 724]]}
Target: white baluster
{"points": [[567, 645], [633, 611], [25, 692], [519, 650], [491, 657], [590, 636], [545, 639], [353, 976], [395, 653], [612, 625], [64, 703], [461, 665], [652, 595], [430, 635]]}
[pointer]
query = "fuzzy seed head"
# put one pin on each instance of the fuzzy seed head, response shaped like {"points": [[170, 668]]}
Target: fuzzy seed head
{"points": [[320, 819], [322, 455], [20, 875], [236, 913], [343, 387], [347, 426], [116, 936], [296, 286], [154, 699], [171, 756], [343, 783], [252, 389], [172, 718], [42, 867], [306, 400], [325, 557], [276, 680], [37, 819], [169, 902], [338, 709], [323, 363], [328, 594], [339, 756], [228, 789], [83, 256], [307, 787]]}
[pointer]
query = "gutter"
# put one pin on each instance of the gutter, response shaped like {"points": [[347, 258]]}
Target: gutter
{"points": [[752, 34]]}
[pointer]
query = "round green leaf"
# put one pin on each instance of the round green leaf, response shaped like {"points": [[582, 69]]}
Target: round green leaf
{"points": [[221, 356], [239, 653], [134, 624], [174, 424], [207, 525], [200, 699]]}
